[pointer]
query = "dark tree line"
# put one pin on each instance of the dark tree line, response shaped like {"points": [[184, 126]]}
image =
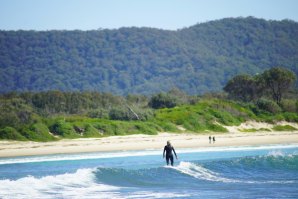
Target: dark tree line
{"points": [[274, 83], [18, 109]]}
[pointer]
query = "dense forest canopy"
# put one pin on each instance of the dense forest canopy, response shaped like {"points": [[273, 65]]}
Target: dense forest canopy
{"points": [[198, 59]]}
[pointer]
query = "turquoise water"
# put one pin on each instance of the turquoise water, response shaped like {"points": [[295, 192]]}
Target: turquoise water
{"points": [[237, 172]]}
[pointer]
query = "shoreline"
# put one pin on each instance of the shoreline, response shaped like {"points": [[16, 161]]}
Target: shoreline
{"points": [[144, 142]]}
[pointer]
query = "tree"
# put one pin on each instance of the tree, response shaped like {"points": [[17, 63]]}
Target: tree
{"points": [[162, 100], [242, 87], [279, 81]]}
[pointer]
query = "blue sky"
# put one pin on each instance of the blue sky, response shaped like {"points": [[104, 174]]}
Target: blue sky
{"points": [[164, 14]]}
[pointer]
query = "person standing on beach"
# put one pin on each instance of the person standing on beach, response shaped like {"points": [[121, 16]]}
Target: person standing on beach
{"points": [[169, 155], [213, 139], [209, 139]]}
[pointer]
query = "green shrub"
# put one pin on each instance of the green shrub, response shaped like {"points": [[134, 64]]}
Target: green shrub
{"points": [[195, 126], [168, 126], [38, 132], [91, 131], [284, 128], [249, 130], [120, 114], [216, 128], [189, 127], [289, 105], [109, 128], [144, 113], [105, 128], [290, 117], [268, 105], [63, 129], [205, 115], [163, 100], [9, 133], [225, 117], [255, 130], [264, 129], [145, 128], [119, 129], [99, 113]]}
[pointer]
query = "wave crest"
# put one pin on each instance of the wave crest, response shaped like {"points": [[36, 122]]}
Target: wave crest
{"points": [[75, 185], [84, 183], [200, 172]]}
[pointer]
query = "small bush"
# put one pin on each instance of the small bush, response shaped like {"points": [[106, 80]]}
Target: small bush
{"points": [[195, 126], [118, 129], [268, 105], [162, 100], [225, 117], [284, 128], [264, 129], [216, 128], [119, 114], [289, 105], [63, 129], [105, 128], [168, 126], [38, 132], [91, 131], [144, 114], [249, 130], [290, 117], [99, 113], [146, 129], [9, 133]]}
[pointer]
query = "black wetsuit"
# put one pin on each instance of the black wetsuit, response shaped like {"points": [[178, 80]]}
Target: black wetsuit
{"points": [[169, 155]]}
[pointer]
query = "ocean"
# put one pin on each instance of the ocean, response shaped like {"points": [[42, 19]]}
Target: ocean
{"points": [[218, 172]]}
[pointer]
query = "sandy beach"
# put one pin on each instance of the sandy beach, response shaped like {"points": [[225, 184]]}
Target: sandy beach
{"points": [[141, 142]]}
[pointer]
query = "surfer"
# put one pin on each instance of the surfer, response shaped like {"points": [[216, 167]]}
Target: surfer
{"points": [[169, 155]]}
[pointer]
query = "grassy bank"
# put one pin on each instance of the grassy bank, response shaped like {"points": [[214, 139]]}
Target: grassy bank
{"points": [[205, 116]]}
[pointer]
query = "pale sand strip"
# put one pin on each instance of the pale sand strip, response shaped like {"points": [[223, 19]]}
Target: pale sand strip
{"points": [[142, 142]]}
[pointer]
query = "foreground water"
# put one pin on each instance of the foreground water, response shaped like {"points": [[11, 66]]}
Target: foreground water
{"points": [[239, 172]]}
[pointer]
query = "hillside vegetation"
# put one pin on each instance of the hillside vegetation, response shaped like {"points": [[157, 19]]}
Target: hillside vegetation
{"points": [[198, 59], [49, 116]]}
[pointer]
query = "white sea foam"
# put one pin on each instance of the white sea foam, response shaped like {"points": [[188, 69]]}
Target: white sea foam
{"points": [[76, 185], [147, 194], [200, 172], [279, 153], [276, 153]]}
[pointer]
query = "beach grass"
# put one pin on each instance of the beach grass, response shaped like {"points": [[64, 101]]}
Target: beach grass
{"points": [[284, 128], [251, 130]]}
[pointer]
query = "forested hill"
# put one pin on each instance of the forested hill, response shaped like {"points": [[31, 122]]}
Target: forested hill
{"points": [[197, 59]]}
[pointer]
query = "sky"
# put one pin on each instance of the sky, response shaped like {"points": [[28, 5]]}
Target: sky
{"points": [[111, 14]]}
